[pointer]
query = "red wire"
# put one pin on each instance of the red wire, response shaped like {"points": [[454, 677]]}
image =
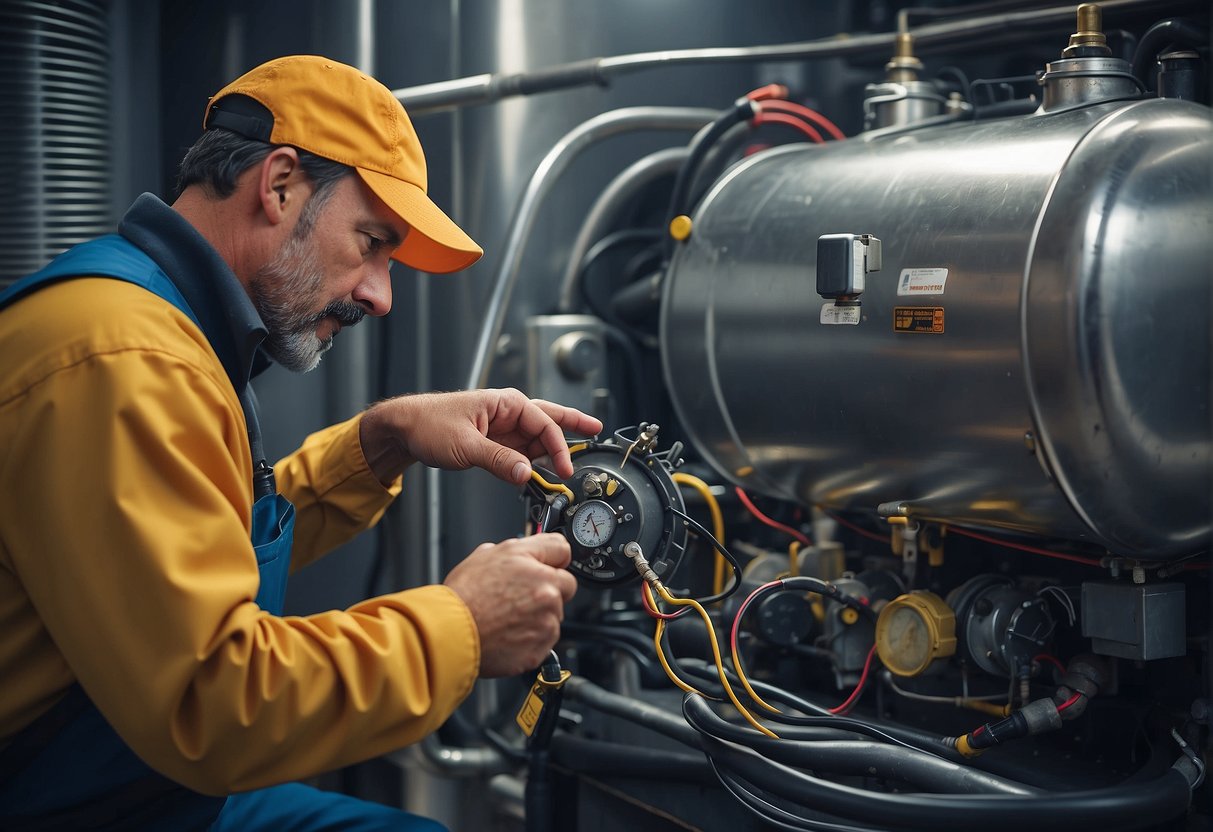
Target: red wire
{"points": [[768, 92], [1053, 660], [857, 529], [653, 611], [997, 542], [741, 611], [765, 117], [804, 112], [1069, 702], [863, 680], [762, 518]]}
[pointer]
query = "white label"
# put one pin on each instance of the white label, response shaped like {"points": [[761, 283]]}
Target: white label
{"points": [[857, 272], [831, 314], [922, 281]]}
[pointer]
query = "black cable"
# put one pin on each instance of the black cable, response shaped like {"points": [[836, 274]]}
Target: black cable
{"points": [[649, 669], [593, 756], [860, 758], [898, 735], [608, 243], [776, 815], [703, 141], [636, 711], [1120, 807], [537, 795], [633, 371], [719, 547]]}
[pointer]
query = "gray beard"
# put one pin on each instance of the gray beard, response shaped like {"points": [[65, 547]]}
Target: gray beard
{"points": [[284, 292]]}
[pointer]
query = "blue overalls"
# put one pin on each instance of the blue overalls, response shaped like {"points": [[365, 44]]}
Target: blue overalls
{"points": [[70, 769]]}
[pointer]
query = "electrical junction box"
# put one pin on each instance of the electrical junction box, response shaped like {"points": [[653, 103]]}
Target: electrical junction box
{"points": [[1134, 621], [843, 261]]}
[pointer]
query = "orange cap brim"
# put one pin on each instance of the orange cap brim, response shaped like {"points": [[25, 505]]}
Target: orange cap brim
{"points": [[434, 242]]}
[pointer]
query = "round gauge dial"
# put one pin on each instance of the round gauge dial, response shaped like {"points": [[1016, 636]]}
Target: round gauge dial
{"points": [[593, 524]]}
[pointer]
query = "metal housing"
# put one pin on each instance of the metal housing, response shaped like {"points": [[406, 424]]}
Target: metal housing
{"points": [[1072, 326]]}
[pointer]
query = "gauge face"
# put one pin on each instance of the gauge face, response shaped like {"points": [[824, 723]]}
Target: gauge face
{"points": [[593, 524], [907, 639]]}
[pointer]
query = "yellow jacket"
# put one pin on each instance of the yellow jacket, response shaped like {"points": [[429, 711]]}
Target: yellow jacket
{"points": [[125, 561]]}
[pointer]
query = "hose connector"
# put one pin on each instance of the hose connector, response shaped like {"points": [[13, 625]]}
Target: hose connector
{"points": [[633, 551]]}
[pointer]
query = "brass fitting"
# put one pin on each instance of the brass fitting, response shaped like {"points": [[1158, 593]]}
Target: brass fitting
{"points": [[1089, 32], [904, 66]]}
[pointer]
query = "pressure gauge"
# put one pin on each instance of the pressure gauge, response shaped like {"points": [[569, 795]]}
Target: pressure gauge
{"points": [[593, 524], [913, 631]]}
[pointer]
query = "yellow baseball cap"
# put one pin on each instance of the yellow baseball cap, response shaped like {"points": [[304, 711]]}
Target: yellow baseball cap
{"points": [[334, 111]]}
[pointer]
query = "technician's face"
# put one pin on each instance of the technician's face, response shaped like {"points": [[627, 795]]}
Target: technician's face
{"points": [[331, 271]]}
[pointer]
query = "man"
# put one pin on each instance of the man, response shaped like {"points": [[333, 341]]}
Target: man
{"points": [[148, 673]]}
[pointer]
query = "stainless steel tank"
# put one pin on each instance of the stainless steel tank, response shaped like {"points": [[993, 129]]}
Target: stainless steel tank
{"points": [[1033, 356]]}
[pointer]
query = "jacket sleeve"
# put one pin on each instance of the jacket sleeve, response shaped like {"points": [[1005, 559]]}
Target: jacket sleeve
{"points": [[334, 492], [126, 521]]}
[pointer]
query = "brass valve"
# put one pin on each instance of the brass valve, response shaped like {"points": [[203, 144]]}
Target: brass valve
{"points": [[1089, 33]]}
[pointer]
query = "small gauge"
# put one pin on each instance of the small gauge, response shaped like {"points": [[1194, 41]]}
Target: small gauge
{"points": [[914, 630], [593, 523]]}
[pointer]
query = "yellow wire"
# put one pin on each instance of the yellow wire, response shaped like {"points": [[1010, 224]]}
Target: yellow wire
{"points": [[748, 689], [669, 671], [793, 564], [547, 486], [717, 524], [724, 680]]}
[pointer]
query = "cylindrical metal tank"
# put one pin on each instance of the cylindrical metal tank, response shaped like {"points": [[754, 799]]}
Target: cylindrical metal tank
{"points": [[1033, 356]]}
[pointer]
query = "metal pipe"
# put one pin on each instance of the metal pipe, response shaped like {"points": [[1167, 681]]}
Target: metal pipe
{"points": [[449, 761], [623, 188], [553, 164], [485, 89]]}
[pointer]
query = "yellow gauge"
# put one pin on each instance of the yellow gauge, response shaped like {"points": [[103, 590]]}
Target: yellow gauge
{"points": [[914, 630]]}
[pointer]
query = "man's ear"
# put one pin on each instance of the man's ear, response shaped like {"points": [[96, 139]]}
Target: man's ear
{"points": [[282, 186]]}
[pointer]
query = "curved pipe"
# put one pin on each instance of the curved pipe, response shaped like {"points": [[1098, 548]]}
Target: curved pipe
{"points": [[623, 189], [487, 88], [553, 164], [860, 758], [1164, 33]]}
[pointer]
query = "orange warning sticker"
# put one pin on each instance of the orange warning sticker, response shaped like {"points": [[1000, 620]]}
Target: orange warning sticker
{"points": [[928, 319]]}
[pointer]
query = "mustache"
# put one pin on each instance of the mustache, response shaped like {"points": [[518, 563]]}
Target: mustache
{"points": [[346, 314]]}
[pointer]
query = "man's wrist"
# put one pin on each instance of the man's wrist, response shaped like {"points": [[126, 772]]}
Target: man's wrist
{"points": [[383, 447]]}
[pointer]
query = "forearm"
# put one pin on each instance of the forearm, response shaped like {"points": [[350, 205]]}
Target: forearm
{"points": [[335, 492]]}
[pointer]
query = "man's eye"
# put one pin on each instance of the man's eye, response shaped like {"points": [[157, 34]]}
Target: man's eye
{"points": [[373, 243]]}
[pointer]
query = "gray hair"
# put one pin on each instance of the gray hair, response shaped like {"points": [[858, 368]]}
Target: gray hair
{"points": [[220, 156]]}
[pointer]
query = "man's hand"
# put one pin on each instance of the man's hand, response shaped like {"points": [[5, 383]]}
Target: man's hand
{"points": [[516, 591], [497, 430]]}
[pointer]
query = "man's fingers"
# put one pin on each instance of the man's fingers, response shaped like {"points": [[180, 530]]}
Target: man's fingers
{"points": [[551, 549], [548, 421]]}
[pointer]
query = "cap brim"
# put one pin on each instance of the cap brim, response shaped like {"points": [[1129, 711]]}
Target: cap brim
{"points": [[434, 243]]}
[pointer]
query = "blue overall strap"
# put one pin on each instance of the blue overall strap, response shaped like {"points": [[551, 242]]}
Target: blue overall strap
{"points": [[69, 769], [116, 257], [109, 256]]}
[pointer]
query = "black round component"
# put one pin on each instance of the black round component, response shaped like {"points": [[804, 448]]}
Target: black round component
{"points": [[619, 498], [783, 618]]}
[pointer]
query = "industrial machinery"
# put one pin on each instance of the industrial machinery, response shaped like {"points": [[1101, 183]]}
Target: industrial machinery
{"points": [[959, 364], [902, 515]]}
